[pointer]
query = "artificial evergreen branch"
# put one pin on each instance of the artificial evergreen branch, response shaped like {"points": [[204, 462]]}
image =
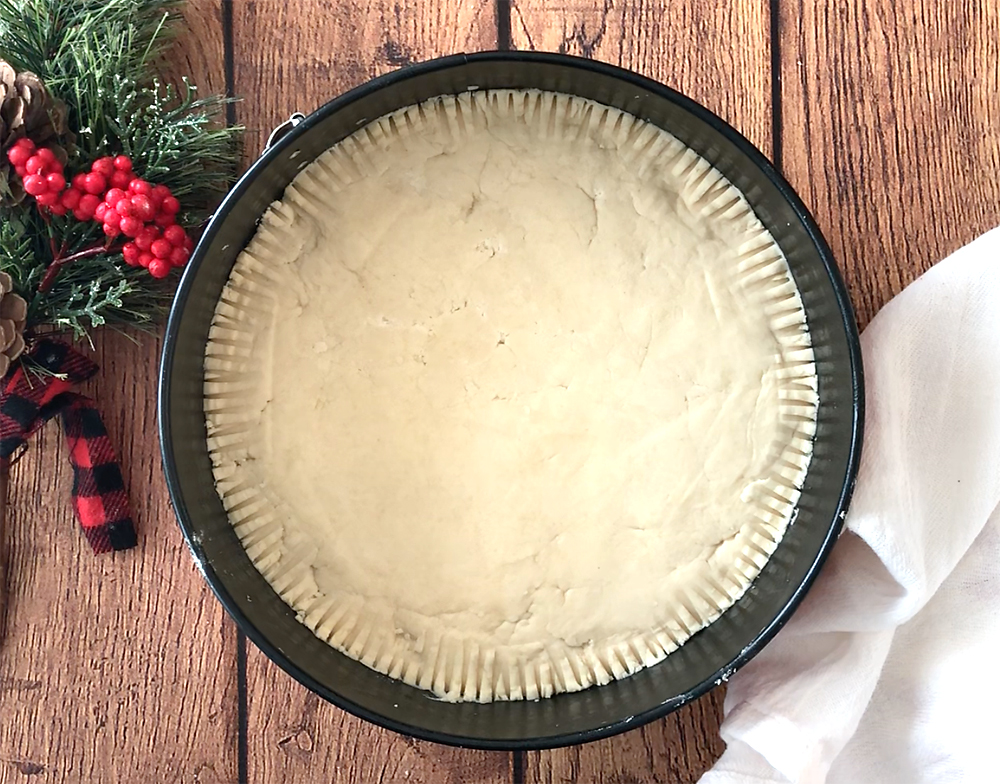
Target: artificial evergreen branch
{"points": [[101, 58]]}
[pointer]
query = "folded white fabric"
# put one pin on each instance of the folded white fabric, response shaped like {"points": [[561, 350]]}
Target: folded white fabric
{"points": [[887, 672]]}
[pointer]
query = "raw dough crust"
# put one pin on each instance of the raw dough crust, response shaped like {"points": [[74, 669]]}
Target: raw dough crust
{"points": [[509, 395]]}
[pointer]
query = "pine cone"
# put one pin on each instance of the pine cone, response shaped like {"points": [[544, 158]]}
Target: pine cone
{"points": [[27, 109], [13, 314]]}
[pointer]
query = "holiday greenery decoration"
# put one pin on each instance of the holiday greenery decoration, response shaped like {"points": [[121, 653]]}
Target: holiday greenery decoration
{"points": [[80, 79], [27, 110], [107, 174]]}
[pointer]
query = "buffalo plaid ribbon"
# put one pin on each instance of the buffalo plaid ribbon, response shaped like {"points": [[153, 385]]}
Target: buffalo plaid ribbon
{"points": [[99, 496]]}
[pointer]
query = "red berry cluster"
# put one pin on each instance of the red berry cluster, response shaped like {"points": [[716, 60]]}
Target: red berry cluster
{"points": [[41, 173], [114, 196], [158, 250]]}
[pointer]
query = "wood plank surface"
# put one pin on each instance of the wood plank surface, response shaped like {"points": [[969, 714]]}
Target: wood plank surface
{"points": [[891, 117], [676, 749], [124, 668], [719, 54], [117, 668], [294, 57], [317, 50]]}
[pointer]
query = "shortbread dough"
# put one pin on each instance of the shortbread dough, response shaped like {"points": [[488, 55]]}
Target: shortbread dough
{"points": [[510, 394]]}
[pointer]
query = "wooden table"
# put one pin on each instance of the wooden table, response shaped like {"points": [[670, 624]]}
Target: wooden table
{"points": [[884, 114]]}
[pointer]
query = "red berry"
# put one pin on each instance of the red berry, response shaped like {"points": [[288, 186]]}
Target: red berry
{"points": [[35, 185], [48, 157], [179, 257], [159, 268], [122, 206], [111, 218], [47, 199], [123, 163], [142, 207], [111, 230], [56, 182], [131, 254], [18, 155], [94, 183], [140, 186], [58, 209], [103, 166], [101, 211], [71, 199], [146, 258], [188, 244], [161, 192], [79, 181], [113, 196], [26, 143], [80, 215], [130, 226], [175, 235], [22, 171], [170, 206], [88, 205], [35, 164], [121, 179], [163, 220], [147, 237], [162, 249]]}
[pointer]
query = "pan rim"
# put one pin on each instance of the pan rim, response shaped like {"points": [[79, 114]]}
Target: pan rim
{"points": [[556, 739]]}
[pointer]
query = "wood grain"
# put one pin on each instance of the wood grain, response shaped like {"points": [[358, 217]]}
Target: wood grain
{"points": [[678, 749], [123, 668], [115, 668], [314, 51], [294, 736], [719, 54], [4, 481], [293, 57], [715, 51], [891, 114], [199, 52]]}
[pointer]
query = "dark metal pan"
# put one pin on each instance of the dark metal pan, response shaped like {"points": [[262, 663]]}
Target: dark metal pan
{"points": [[708, 658]]}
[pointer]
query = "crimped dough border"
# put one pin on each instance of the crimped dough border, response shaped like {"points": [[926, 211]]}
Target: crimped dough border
{"points": [[463, 670]]}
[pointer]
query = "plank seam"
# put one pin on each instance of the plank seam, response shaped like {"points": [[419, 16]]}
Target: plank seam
{"points": [[243, 717], [776, 108], [229, 62], [518, 759], [504, 38]]}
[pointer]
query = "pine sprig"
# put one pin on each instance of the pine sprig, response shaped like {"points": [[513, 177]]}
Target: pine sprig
{"points": [[18, 251], [118, 296], [173, 137], [101, 291], [74, 44], [102, 58]]}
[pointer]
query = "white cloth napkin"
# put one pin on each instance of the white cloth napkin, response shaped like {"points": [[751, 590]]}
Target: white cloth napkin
{"points": [[888, 671]]}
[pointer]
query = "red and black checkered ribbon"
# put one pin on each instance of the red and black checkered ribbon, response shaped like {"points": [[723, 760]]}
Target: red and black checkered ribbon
{"points": [[26, 403]]}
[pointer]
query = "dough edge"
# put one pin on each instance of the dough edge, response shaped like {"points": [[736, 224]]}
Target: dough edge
{"points": [[463, 670]]}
